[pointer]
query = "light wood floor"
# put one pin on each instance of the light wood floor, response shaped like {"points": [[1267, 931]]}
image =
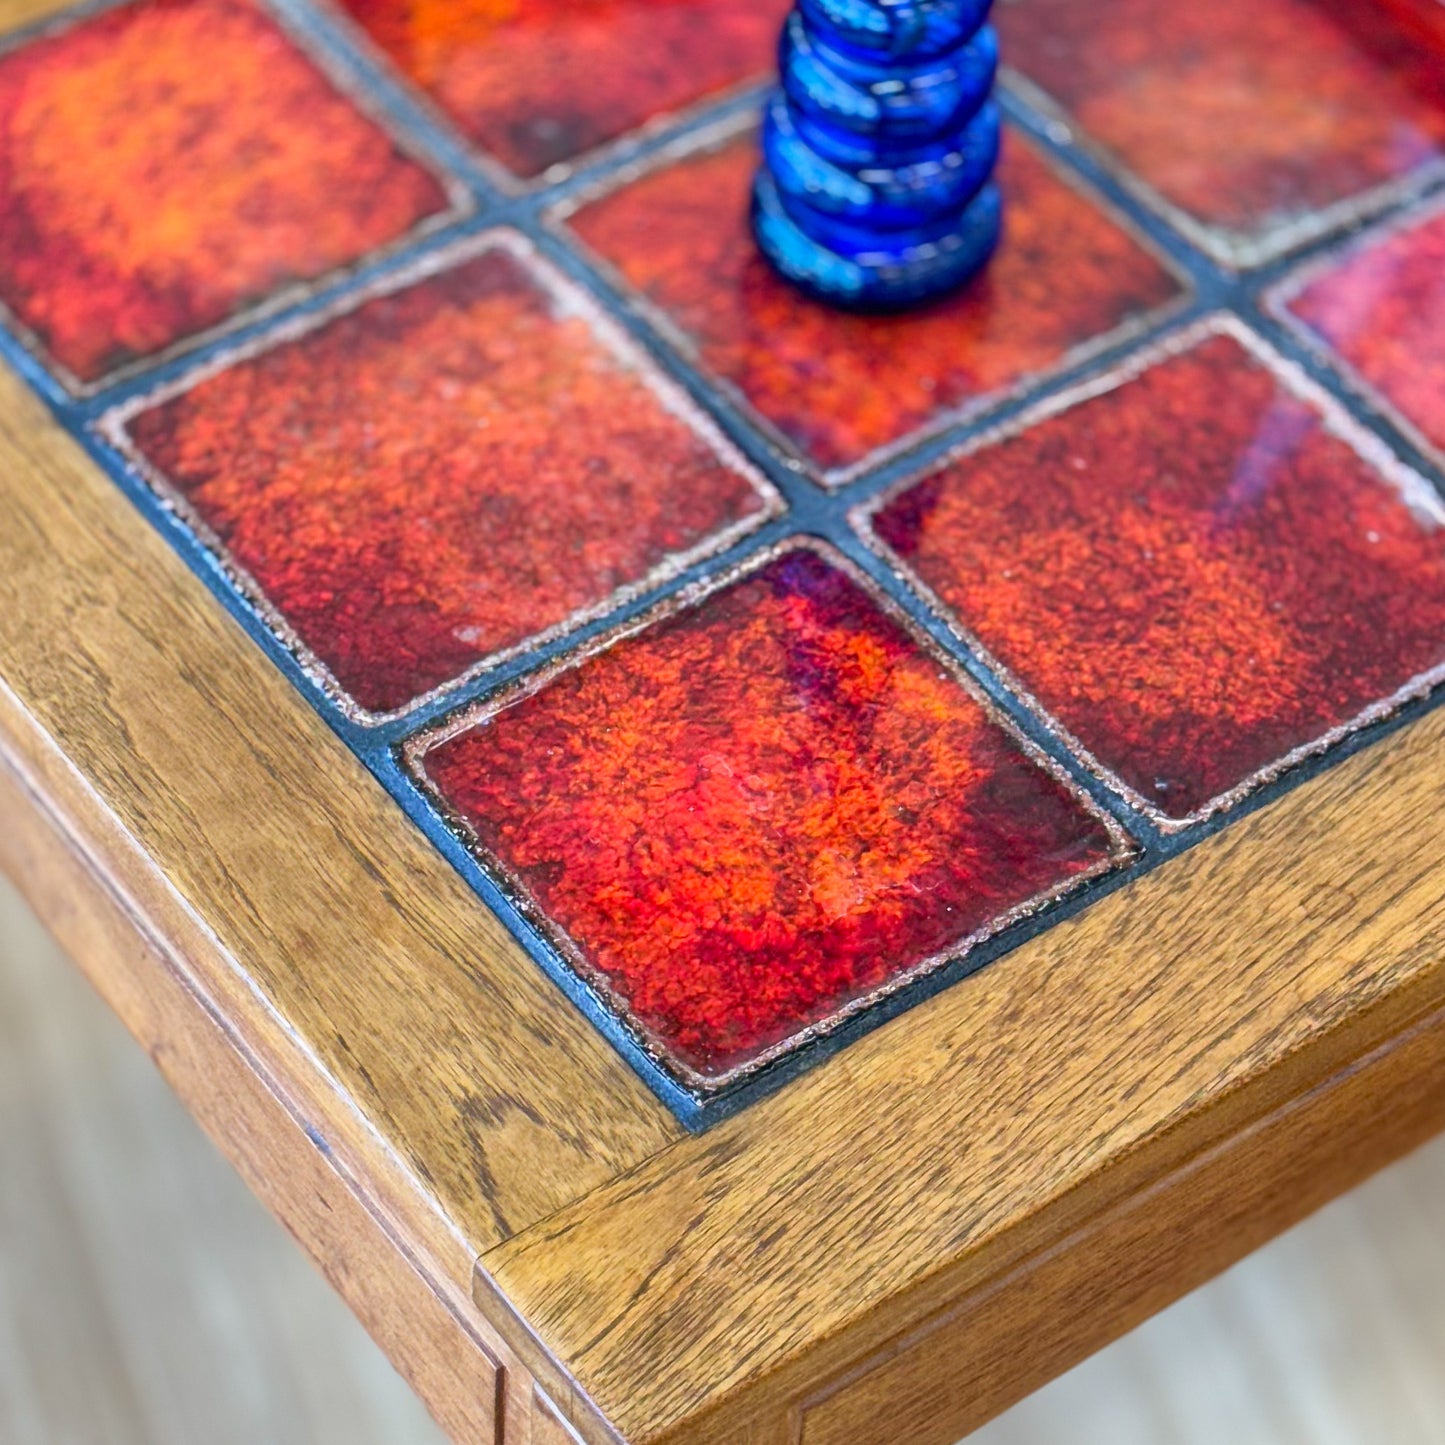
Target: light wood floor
{"points": [[146, 1299]]}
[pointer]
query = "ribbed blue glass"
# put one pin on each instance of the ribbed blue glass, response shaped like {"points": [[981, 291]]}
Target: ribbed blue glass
{"points": [[879, 149]]}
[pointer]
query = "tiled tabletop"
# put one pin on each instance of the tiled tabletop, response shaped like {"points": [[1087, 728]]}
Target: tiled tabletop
{"points": [[762, 667]]}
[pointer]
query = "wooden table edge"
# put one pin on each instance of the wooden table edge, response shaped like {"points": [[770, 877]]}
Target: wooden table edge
{"points": [[1326, 1011], [945, 1372], [454, 1357], [1308, 1100], [504, 1355]]}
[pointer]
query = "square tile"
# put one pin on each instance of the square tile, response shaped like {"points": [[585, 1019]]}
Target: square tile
{"points": [[167, 164], [536, 83], [744, 820], [1250, 118], [840, 388], [1381, 309], [458, 466], [1200, 571]]}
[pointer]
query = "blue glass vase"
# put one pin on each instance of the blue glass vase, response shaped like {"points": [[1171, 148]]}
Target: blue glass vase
{"points": [[879, 150]]}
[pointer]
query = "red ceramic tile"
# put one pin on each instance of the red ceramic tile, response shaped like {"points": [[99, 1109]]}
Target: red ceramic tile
{"points": [[1194, 573], [1383, 310], [168, 163], [448, 471], [760, 810], [1248, 115], [841, 386], [538, 82]]}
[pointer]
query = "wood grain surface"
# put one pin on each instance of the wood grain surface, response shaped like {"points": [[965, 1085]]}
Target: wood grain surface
{"points": [[963, 1367], [145, 1299], [308, 900], [737, 1273], [456, 1364]]}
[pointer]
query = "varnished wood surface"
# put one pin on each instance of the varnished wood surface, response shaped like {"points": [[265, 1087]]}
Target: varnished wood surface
{"points": [[749, 1268], [145, 1299], [400, 1082], [456, 1364], [289, 879], [961, 1368]]}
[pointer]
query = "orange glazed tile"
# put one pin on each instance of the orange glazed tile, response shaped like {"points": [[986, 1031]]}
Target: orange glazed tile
{"points": [[761, 811], [166, 164], [1382, 309], [1249, 116], [538, 82], [454, 468], [1197, 573], [840, 386]]}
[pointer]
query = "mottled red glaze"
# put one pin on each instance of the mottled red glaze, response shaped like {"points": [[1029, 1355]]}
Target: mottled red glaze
{"points": [[537, 82], [440, 475], [168, 163], [841, 386], [1383, 310], [761, 809], [1245, 113], [1191, 572]]}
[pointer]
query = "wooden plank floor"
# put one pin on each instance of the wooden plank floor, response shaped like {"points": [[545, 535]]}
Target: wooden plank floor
{"points": [[146, 1299]]}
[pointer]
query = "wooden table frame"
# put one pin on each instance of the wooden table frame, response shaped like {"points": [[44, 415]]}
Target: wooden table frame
{"points": [[895, 1247]]}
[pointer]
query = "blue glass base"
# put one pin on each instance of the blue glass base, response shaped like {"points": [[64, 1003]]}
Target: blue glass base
{"points": [[815, 168], [886, 274]]}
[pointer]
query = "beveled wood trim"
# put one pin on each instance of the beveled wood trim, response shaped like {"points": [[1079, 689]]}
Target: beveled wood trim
{"points": [[729, 1277], [15, 13], [328, 931], [959, 1370], [457, 1363], [548, 1425]]}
